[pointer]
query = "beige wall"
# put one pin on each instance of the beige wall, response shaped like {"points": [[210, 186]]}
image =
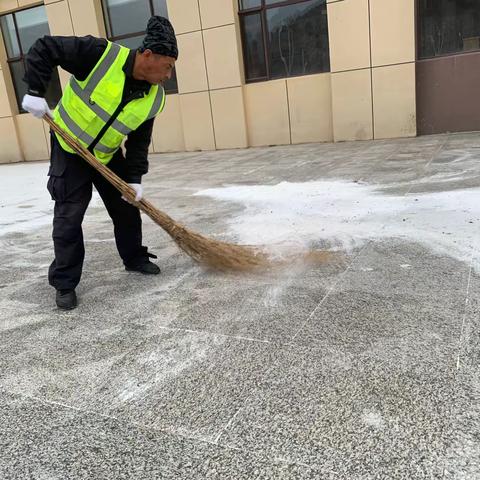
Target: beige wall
{"points": [[266, 109], [310, 108], [371, 41], [74, 17], [352, 105], [8, 5], [369, 93], [167, 130], [228, 113], [10, 150], [394, 101], [28, 138], [32, 136], [209, 73]]}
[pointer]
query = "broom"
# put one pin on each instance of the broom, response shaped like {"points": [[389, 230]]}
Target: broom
{"points": [[206, 251]]}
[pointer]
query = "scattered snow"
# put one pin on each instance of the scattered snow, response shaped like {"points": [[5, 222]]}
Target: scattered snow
{"points": [[373, 419], [345, 214], [25, 203]]}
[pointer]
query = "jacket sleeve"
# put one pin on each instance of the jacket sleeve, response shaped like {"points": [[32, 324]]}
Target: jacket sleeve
{"points": [[136, 155], [76, 55]]}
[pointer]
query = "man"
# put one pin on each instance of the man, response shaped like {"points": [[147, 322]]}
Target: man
{"points": [[114, 93]]}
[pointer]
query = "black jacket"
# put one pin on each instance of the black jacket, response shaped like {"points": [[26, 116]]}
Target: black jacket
{"points": [[78, 56]]}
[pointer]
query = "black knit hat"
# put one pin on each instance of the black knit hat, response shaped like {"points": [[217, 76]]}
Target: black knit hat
{"points": [[160, 37]]}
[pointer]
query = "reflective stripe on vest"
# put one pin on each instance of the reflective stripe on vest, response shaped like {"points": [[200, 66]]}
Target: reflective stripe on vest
{"points": [[82, 136], [107, 79]]}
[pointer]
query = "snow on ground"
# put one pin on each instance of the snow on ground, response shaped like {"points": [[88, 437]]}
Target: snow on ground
{"points": [[25, 203], [347, 214], [340, 213]]}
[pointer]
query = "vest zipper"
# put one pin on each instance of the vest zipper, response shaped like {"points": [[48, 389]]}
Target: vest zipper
{"points": [[116, 113]]}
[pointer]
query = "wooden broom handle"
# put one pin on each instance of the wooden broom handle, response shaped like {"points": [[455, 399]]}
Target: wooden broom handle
{"points": [[216, 254], [161, 218]]}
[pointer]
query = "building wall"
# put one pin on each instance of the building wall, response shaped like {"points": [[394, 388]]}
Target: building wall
{"points": [[372, 54], [370, 92]]}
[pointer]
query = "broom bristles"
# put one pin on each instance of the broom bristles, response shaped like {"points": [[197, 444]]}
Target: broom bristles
{"points": [[213, 253]]}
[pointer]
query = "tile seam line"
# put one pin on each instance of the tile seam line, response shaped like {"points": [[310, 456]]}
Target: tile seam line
{"points": [[427, 165], [370, 67], [214, 133], [71, 17], [252, 394], [464, 317], [224, 429], [203, 332], [122, 421], [330, 290], [204, 29], [140, 426], [457, 366]]}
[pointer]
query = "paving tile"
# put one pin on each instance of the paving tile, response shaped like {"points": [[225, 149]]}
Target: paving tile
{"points": [[394, 267], [469, 352], [183, 382], [463, 453], [353, 416], [361, 383], [269, 308], [44, 441], [360, 322], [463, 456]]}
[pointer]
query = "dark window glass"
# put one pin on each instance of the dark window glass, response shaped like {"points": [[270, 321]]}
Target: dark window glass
{"points": [[246, 4], [160, 8], [126, 21], [254, 51], [448, 27], [10, 36], [20, 31], [297, 35], [131, 42], [171, 85], [31, 25], [285, 40], [18, 71], [127, 16]]}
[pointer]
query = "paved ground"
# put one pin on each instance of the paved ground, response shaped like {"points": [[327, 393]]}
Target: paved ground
{"points": [[366, 369]]}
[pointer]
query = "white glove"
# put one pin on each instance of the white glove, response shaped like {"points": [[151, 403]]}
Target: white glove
{"points": [[37, 106], [138, 192]]}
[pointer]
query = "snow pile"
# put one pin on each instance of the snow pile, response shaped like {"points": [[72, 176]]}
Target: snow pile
{"points": [[344, 215]]}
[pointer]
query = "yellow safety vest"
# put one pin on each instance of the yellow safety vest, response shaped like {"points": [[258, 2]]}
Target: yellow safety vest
{"points": [[86, 106]]}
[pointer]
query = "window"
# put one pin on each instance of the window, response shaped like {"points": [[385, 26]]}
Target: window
{"points": [[448, 27], [20, 31], [126, 21], [284, 38]]}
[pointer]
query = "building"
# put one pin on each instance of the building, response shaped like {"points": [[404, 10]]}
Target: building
{"points": [[270, 72]]}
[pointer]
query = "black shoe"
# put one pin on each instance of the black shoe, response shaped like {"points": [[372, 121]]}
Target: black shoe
{"points": [[66, 299], [142, 263], [143, 266]]}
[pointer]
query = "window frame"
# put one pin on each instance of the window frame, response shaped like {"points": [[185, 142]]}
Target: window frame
{"points": [[262, 10], [20, 59], [418, 37], [115, 38]]}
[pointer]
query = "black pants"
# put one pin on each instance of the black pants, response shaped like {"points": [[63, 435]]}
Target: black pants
{"points": [[70, 185]]}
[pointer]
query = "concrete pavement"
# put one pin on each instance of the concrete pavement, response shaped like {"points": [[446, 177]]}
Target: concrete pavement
{"points": [[365, 369]]}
